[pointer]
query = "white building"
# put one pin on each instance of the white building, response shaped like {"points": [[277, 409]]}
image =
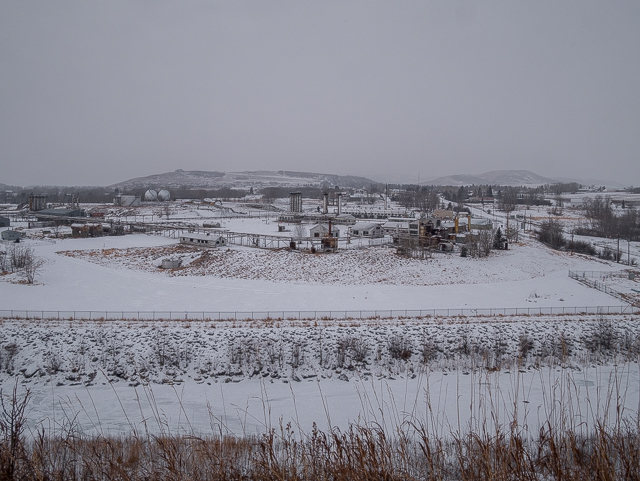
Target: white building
{"points": [[320, 230], [397, 226], [366, 229], [203, 240]]}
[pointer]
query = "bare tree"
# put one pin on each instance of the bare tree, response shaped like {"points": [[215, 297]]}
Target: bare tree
{"points": [[19, 255], [32, 268], [480, 244], [485, 241], [4, 261], [21, 258], [550, 233], [299, 231]]}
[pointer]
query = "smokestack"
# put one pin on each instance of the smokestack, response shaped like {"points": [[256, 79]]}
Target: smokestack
{"points": [[325, 203], [386, 195], [339, 204]]}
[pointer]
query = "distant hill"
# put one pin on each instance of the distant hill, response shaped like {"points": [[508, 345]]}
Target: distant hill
{"points": [[515, 178], [239, 180], [494, 177]]}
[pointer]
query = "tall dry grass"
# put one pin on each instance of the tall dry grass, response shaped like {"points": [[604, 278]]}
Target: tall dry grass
{"points": [[409, 450]]}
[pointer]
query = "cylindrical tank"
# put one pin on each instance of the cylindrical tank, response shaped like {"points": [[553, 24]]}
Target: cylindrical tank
{"points": [[151, 195], [164, 195]]}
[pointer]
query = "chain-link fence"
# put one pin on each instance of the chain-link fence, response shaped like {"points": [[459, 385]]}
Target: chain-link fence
{"points": [[311, 315]]}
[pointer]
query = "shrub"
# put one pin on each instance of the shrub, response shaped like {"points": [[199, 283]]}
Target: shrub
{"points": [[400, 347]]}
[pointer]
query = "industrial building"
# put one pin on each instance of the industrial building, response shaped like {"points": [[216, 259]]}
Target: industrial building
{"points": [[48, 214], [37, 202]]}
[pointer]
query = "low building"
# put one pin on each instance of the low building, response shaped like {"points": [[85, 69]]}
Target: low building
{"points": [[12, 235], [346, 219], [322, 230], [366, 229], [203, 240], [5, 221], [47, 214]]}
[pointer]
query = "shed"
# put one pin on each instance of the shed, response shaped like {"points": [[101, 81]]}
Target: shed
{"points": [[367, 229], [320, 230], [203, 240], [5, 221], [12, 235]]}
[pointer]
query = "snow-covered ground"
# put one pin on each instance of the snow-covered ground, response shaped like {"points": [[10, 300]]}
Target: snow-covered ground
{"points": [[445, 401], [104, 277], [93, 370], [112, 377]]}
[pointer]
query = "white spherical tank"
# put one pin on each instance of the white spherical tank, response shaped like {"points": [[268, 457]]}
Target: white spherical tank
{"points": [[150, 195], [164, 195]]}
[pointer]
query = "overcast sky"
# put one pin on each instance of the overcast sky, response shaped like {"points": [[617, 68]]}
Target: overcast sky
{"points": [[96, 92]]}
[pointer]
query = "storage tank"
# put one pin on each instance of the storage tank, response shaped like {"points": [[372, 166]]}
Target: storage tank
{"points": [[164, 195], [150, 195]]}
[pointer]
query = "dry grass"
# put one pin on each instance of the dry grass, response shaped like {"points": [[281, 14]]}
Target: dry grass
{"points": [[409, 451]]}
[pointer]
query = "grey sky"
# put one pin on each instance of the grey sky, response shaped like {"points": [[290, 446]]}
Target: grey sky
{"points": [[97, 92]]}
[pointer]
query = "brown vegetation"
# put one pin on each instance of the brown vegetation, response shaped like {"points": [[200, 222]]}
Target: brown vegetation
{"points": [[359, 453]]}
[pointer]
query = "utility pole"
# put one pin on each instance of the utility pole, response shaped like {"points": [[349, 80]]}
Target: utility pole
{"points": [[618, 256], [571, 242]]}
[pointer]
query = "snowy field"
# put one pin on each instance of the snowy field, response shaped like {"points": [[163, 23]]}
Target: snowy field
{"points": [[121, 273]]}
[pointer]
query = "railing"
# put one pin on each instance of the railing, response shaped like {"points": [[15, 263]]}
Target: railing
{"points": [[311, 315], [598, 274], [588, 278]]}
